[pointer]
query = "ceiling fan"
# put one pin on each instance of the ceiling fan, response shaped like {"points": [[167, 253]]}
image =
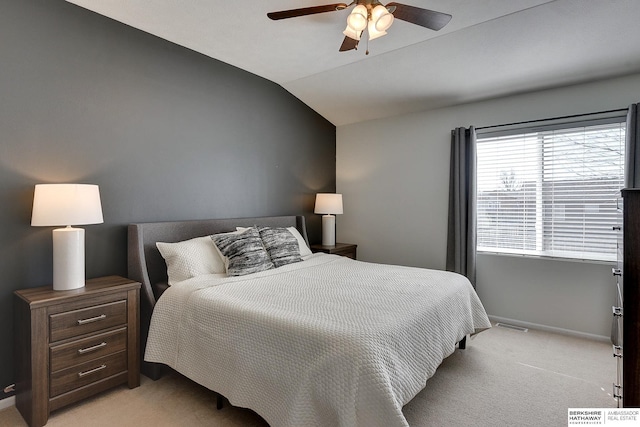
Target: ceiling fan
{"points": [[373, 16]]}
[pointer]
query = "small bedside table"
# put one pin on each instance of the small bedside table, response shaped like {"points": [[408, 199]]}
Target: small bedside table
{"points": [[344, 249], [72, 344]]}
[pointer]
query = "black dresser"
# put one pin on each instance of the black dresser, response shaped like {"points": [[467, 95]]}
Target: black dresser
{"points": [[629, 309]]}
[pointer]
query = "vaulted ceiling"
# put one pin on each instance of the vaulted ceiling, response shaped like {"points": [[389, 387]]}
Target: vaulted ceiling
{"points": [[490, 48]]}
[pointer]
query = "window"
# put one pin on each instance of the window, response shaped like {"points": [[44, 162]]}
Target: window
{"points": [[551, 190]]}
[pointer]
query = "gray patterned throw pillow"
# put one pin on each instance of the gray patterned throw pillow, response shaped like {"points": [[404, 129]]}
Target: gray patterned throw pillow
{"points": [[281, 245], [244, 251]]}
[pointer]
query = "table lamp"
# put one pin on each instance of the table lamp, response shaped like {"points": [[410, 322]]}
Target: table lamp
{"points": [[67, 205], [328, 204]]}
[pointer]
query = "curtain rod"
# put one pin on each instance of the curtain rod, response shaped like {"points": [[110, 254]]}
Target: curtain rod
{"points": [[553, 118]]}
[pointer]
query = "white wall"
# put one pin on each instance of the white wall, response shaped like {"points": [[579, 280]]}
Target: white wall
{"points": [[394, 176]]}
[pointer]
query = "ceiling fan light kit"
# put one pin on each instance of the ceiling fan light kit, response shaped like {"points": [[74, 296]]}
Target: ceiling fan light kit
{"points": [[379, 22], [372, 16]]}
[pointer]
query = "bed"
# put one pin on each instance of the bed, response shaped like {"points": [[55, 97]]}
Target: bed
{"points": [[324, 341]]}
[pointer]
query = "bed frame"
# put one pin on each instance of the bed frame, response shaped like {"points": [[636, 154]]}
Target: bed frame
{"points": [[146, 265]]}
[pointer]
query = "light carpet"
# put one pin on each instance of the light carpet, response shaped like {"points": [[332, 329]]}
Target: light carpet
{"points": [[503, 378]]}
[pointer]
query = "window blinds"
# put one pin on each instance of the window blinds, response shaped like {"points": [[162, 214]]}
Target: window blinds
{"points": [[551, 190]]}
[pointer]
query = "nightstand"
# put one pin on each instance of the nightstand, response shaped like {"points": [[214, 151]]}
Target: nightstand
{"points": [[343, 249], [72, 344]]}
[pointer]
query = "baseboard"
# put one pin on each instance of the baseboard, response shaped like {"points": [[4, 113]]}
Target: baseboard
{"points": [[7, 402], [546, 328]]}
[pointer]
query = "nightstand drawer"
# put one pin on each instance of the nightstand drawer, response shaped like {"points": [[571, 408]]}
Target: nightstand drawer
{"points": [[86, 373], [77, 322], [86, 349]]}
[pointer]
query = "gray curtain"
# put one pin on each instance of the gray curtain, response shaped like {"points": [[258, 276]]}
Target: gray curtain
{"points": [[461, 235], [632, 161]]}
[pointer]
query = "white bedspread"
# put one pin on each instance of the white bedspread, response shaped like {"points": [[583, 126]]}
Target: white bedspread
{"points": [[325, 342]]}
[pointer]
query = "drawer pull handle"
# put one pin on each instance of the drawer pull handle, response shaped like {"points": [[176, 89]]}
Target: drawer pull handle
{"points": [[617, 391], [617, 351], [91, 319], [91, 371], [92, 348]]}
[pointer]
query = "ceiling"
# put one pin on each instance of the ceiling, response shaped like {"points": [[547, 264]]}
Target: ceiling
{"points": [[490, 48]]}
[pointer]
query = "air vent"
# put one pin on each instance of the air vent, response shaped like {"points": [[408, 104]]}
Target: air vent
{"points": [[514, 327]]}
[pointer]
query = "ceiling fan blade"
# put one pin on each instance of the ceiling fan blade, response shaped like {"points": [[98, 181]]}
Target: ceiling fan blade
{"points": [[293, 13], [423, 17], [348, 44]]}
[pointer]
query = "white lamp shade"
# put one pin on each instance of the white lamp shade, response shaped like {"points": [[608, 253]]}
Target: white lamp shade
{"points": [[328, 203], [352, 34], [381, 18], [66, 204], [357, 19], [373, 32]]}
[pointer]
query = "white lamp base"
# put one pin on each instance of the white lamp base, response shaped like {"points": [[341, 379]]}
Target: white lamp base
{"points": [[328, 230], [68, 258]]}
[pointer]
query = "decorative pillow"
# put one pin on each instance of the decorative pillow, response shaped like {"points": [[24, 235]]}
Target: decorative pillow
{"points": [[302, 244], [304, 249], [281, 245], [244, 252], [190, 258], [225, 260]]}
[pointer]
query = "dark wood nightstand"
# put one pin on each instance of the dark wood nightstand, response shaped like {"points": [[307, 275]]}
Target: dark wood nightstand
{"points": [[72, 344], [343, 249]]}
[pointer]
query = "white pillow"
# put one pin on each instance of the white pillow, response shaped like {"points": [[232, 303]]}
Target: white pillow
{"points": [[190, 258], [304, 249]]}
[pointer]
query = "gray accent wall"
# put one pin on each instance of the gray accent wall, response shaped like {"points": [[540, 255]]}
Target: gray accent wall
{"points": [[167, 134]]}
